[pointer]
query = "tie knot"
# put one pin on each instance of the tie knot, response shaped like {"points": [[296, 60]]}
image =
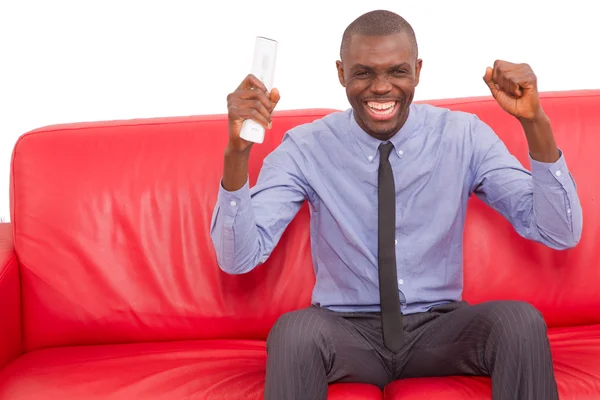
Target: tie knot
{"points": [[384, 151]]}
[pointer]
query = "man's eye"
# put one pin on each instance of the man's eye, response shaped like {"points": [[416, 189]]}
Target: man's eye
{"points": [[362, 73], [400, 72]]}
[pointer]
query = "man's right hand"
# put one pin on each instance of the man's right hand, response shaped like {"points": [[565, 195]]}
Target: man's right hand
{"points": [[249, 101]]}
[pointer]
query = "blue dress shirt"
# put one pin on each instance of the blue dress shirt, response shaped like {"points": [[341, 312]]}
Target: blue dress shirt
{"points": [[440, 158]]}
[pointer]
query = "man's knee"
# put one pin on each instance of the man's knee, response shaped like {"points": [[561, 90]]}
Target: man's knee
{"points": [[516, 320], [299, 329]]}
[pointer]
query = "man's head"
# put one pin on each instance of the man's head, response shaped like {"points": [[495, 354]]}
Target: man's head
{"points": [[379, 67]]}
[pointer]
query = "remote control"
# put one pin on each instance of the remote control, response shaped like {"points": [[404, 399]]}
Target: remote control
{"points": [[263, 67]]}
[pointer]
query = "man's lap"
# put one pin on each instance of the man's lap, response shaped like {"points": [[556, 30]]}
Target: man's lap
{"points": [[349, 344], [447, 340]]}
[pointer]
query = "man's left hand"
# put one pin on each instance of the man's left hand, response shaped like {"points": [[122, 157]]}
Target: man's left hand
{"points": [[514, 86]]}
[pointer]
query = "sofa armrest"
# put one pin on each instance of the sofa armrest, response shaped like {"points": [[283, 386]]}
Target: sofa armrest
{"points": [[11, 345]]}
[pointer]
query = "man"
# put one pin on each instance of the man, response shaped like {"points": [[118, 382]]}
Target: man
{"points": [[388, 183]]}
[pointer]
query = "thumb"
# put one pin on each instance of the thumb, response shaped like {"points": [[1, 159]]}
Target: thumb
{"points": [[274, 97], [489, 81]]}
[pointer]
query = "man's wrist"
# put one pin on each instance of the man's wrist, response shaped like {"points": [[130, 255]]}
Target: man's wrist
{"points": [[233, 151], [538, 130], [538, 118], [235, 169]]}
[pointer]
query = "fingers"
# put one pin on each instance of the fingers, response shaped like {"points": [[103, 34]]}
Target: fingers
{"points": [[510, 78], [252, 82], [251, 101], [255, 114], [241, 109], [259, 96], [506, 79]]}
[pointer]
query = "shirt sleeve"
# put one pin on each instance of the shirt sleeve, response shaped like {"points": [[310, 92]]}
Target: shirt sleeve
{"points": [[541, 204], [247, 224]]}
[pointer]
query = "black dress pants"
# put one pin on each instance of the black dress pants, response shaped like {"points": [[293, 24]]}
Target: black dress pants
{"points": [[506, 340]]}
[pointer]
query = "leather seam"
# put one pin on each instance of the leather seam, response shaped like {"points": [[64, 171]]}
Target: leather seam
{"points": [[11, 261]]}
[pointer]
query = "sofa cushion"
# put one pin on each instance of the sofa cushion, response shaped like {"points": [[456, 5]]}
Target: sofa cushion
{"points": [[226, 369], [576, 354], [196, 370]]}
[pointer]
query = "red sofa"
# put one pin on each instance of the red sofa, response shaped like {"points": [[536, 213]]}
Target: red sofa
{"points": [[109, 288]]}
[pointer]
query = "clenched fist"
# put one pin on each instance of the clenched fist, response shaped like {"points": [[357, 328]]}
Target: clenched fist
{"points": [[249, 101], [514, 86]]}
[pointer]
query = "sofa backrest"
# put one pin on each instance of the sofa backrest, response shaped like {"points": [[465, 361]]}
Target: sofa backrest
{"points": [[111, 224], [498, 264]]}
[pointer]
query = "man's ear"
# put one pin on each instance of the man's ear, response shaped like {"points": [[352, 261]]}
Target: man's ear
{"points": [[340, 69], [418, 71]]}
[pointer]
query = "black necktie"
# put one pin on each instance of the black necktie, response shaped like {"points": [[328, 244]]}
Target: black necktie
{"points": [[391, 317]]}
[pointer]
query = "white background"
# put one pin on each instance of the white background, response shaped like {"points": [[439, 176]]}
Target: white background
{"points": [[83, 60]]}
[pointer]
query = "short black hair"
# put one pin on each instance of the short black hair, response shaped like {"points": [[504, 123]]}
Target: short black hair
{"points": [[379, 23]]}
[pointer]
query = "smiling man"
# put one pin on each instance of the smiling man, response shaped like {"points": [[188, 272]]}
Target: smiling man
{"points": [[388, 183], [380, 107]]}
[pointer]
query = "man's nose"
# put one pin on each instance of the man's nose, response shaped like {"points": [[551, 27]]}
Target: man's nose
{"points": [[381, 85]]}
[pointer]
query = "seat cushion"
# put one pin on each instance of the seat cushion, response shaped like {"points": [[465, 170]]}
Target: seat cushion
{"points": [[576, 353], [202, 370]]}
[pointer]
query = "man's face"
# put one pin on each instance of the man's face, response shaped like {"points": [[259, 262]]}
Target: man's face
{"points": [[380, 74]]}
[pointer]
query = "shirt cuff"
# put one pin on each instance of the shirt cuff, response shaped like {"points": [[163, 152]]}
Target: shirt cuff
{"points": [[233, 202], [550, 174]]}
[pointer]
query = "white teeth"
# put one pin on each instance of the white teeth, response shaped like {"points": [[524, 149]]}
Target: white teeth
{"points": [[382, 108]]}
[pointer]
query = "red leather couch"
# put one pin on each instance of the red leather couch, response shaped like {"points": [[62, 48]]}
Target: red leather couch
{"points": [[109, 287]]}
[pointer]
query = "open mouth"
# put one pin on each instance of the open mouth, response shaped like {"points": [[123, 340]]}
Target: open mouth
{"points": [[381, 111]]}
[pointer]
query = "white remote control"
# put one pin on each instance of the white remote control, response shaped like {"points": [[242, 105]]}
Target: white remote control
{"points": [[263, 67]]}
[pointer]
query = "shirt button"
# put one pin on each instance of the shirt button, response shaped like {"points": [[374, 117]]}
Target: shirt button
{"points": [[558, 173], [396, 241], [233, 204], [403, 305], [400, 152], [370, 158], [401, 281], [568, 211]]}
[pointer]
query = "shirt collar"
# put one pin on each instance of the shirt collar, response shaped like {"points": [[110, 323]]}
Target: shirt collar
{"points": [[369, 145]]}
